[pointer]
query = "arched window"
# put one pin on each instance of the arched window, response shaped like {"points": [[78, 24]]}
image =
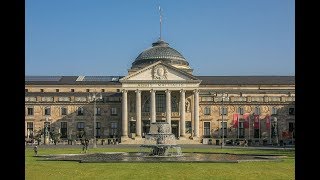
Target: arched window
{"points": [[80, 111]]}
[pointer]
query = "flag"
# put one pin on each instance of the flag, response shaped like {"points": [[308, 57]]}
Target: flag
{"points": [[235, 120], [246, 120], [268, 122], [256, 121]]}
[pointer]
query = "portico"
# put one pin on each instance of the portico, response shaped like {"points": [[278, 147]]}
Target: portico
{"points": [[158, 93]]}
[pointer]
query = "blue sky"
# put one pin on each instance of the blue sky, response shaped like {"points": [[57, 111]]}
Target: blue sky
{"points": [[103, 37]]}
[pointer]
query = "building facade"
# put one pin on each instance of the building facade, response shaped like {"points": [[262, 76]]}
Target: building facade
{"points": [[160, 87]]}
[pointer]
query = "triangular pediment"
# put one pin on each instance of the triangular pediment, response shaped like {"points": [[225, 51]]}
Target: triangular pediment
{"points": [[159, 71]]}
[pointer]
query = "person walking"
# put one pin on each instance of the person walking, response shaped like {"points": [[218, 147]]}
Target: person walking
{"points": [[35, 149]]}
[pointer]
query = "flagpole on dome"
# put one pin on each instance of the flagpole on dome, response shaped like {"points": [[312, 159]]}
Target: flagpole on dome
{"points": [[160, 14]]}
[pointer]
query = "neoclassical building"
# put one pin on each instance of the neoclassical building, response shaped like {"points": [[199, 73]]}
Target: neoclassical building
{"points": [[160, 87]]}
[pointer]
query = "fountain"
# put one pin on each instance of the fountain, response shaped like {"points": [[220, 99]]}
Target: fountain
{"points": [[160, 141]]}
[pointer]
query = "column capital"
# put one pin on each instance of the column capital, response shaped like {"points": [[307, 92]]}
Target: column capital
{"points": [[124, 91], [137, 91], [196, 91], [152, 90], [182, 90], [168, 91]]}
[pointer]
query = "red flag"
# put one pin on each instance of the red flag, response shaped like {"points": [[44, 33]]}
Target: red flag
{"points": [[256, 121], [235, 120], [246, 120], [268, 122]]}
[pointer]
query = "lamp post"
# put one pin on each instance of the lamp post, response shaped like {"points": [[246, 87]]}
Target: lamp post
{"points": [[224, 95], [275, 130], [94, 98]]}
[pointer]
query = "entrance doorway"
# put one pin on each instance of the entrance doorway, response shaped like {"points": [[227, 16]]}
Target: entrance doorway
{"points": [[145, 127], [175, 128]]}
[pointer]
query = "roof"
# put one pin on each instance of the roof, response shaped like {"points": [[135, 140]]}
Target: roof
{"points": [[114, 80], [247, 80]]}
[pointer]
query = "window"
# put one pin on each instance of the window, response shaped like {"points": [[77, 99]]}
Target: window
{"points": [[29, 129], [80, 129], [64, 111], [292, 129], [102, 90], [291, 111], [64, 129], [47, 124], [114, 129], [224, 110], [26, 90], [30, 111], [47, 111], [174, 104], [57, 90], [257, 110], [113, 111], [98, 111], [207, 111], [88, 90], [188, 127], [72, 90], [241, 130], [98, 129], [118, 90], [160, 102], [224, 127], [41, 90], [80, 111], [274, 110], [256, 133], [146, 106], [206, 129], [240, 110]]}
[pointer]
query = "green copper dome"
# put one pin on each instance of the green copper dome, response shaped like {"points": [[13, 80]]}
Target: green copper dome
{"points": [[160, 51]]}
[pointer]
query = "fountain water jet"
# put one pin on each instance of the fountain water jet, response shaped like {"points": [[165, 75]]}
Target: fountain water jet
{"points": [[160, 141]]}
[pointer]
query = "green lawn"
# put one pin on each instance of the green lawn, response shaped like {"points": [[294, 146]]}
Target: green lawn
{"points": [[36, 169]]}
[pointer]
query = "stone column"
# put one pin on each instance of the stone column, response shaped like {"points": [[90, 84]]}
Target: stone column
{"points": [[168, 106], [153, 106], [182, 113], [138, 113], [196, 114], [124, 114]]}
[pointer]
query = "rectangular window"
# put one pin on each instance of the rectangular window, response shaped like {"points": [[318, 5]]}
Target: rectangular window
{"points": [[114, 111], [291, 111], [241, 130], [64, 111], [88, 90], [256, 133], [98, 111], [207, 111], [206, 129], [257, 110], [26, 90], [224, 110], [188, 127], [41, 90], [29, 129], [160, 103], [57, 90], [274, 111], [98, 129], [114, 129], [47, 124], [47, 111], [240, 110], [292, 128], [80, 111], [224, 127], [72, 90], [80, 129], [30, 111], [64, 129], [102, 90]]}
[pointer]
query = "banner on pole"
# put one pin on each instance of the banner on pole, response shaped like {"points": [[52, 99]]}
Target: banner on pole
{"points": [[256, 121], [235, 120], [246, 120]]}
